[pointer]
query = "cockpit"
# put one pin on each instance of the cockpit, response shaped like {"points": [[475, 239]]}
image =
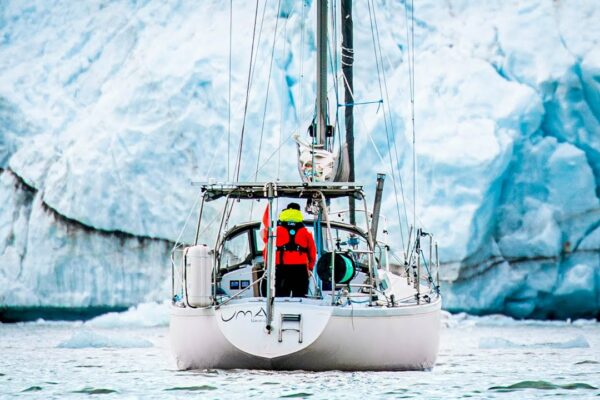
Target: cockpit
{"points": [[240, 256]]}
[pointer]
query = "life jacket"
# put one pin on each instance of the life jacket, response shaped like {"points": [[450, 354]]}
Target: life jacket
{"points": [[296, 252]]}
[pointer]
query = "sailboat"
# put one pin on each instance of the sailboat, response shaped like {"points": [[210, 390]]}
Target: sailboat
{"points": [[361, 312]]}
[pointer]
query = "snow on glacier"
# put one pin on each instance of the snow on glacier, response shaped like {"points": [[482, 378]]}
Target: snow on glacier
{"points": [[108, 109]]}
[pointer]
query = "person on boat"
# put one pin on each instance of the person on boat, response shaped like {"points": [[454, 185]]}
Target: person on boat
{"points": [[295, 254]]}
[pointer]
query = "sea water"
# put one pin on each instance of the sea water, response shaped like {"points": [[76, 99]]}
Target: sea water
{"points": [[127, 356]]}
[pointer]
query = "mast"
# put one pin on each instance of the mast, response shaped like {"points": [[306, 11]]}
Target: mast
{"points": [[322, 73], [347, 62]]}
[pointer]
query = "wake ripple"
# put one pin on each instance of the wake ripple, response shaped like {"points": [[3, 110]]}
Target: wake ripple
{"points": [[191, 388], [91, 390], [578, 342]]}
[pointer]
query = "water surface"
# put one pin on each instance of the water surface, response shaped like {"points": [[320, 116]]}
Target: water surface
{"points": [[480, 357]]}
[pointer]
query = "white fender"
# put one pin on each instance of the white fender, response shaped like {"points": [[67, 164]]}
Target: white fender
{"points": [[199, 268]]}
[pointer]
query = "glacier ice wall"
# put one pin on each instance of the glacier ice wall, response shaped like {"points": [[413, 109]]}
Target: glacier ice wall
{"points": [[51, 261], [109, 108]]}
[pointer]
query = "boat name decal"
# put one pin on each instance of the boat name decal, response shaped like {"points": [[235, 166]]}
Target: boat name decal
{"points": [[259, 316]]}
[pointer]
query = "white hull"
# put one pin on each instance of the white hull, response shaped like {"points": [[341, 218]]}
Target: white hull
{"points": [[333, 338]]}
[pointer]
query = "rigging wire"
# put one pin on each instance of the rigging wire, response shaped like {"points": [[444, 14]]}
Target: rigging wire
{"points": [[361, 120], [212, 160], [282, 106], [283, 143], [276, 151], [177, 243], [387, 99], [385, 120], [248, 86], [260, 31], [262, 129], [371, 139], [229, 88], [264, 117], [306, 121], [410, 38], [302, 115]]}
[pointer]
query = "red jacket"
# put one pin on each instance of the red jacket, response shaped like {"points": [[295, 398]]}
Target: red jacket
{"points": [[303, 239]]}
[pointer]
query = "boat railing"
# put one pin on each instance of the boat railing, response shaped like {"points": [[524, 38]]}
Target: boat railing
{"points": [[421, 267], [179, 282], [358, 285], [417, 262], [365, 289], [177, 266]]}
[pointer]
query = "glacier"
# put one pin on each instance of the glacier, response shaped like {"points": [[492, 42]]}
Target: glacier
{"points": [[108, 109]]}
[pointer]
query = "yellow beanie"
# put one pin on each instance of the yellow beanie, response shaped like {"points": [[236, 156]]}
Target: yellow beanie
{"points": [[290, 215]]}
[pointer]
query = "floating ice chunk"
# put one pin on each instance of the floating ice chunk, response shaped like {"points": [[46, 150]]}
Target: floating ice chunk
{"points": [[498, 320], [143, 315], [577, 342], [462, 320], [87, 338], [44, 322], [448, 320], [585, 322]]}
